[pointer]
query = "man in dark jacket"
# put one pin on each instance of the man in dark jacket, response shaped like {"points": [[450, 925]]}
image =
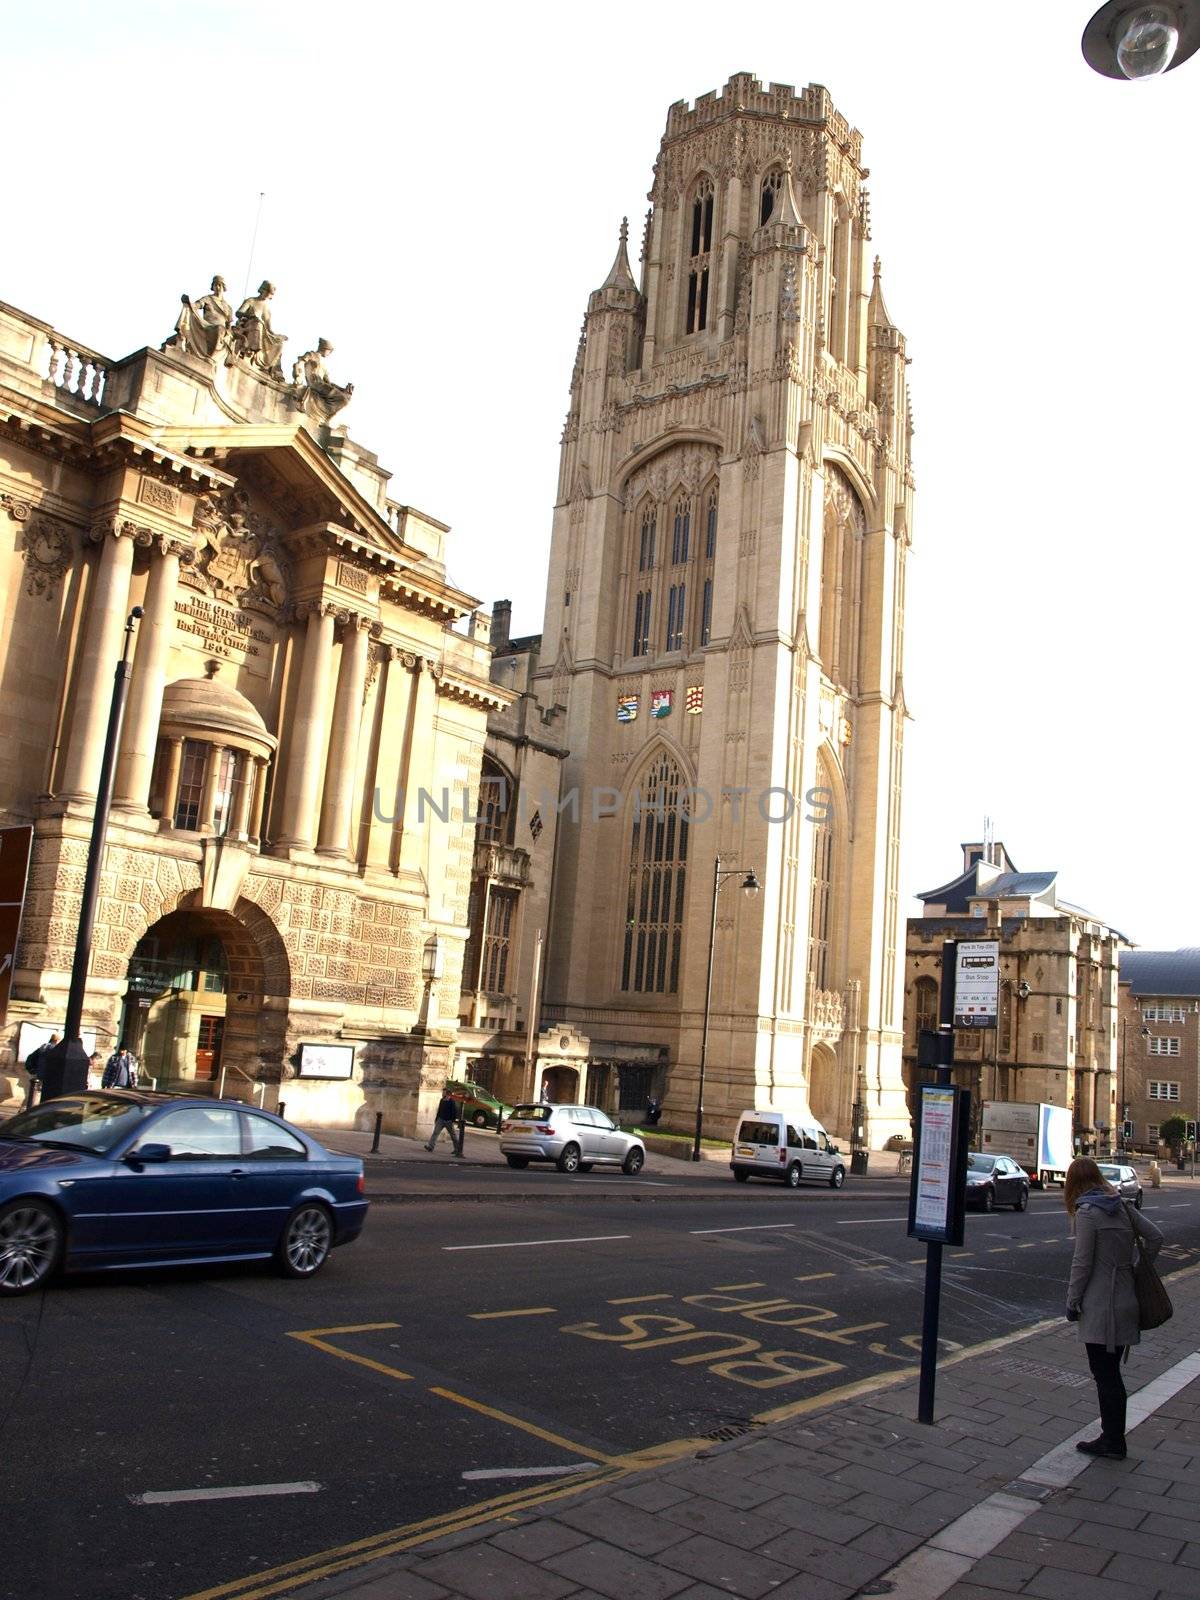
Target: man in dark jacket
{"points": [[445, 1117], [33, 1066]]}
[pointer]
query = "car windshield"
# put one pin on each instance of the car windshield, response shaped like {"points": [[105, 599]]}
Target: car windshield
{"points": [[1113, 1174], [82, 1122], [531, 1114], [981, 1163]]}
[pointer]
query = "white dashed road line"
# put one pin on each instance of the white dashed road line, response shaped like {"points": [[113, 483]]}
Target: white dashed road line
{"points": [[241, 1491], [526, 1244]]}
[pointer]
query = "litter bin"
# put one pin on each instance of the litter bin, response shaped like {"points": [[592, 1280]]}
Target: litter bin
{"points": [[858, 1162]]}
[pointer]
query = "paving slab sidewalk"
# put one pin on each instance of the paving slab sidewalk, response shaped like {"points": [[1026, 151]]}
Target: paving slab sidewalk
{"points": [[859, 1499]]}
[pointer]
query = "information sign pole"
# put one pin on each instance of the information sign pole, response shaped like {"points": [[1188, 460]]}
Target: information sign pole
{"points": [[936, 1199]]}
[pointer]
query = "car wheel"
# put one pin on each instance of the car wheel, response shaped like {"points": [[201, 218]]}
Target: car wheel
{"points": [[1138, 1201], [307, 1241], [742, 1177], [793, 1175], [633, 1163], [517, 1161], [837, 1177], [569, 1160], [480, 1119], [1022, 1201], [987, 1199], [31, 1244]]}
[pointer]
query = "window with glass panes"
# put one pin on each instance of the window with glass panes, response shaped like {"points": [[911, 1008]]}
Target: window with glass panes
{"points": [[696, 317], [654, 896], [676, 600], [193, 770], [1163, 1045], [497, 940], [1160, 1090]]}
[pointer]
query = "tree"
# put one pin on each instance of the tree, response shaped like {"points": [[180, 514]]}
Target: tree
{"points": [[1172, 1131]]}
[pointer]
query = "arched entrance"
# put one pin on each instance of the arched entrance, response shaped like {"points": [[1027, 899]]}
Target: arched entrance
{"points": [[823, 1087], [206, 1001]]}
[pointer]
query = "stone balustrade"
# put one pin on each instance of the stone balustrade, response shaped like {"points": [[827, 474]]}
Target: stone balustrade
{"points": [[502, 863], [77, 370]]}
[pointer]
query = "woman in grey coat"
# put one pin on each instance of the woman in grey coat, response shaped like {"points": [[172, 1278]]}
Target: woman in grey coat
{"points": [[1100, 1293]]}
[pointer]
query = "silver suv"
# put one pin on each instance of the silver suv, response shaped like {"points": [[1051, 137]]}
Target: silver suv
{"points": [[575, 1138]]}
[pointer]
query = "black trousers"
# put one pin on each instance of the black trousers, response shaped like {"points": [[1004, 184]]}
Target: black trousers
{"points": [[1110, 1388]]}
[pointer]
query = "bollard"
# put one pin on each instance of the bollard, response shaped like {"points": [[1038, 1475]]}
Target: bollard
{"points": [[378, 1131], [1155, 1175]]}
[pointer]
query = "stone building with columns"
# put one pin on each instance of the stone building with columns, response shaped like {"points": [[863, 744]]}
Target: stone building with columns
{"points": [[724, 626], [283, 900], [1056, 1035]]}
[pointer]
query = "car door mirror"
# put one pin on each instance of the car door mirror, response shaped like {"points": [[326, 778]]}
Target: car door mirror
{"points": [[148, 1155]]}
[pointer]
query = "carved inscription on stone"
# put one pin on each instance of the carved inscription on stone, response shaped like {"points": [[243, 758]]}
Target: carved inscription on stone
{"points": [[233, 635], [352, 578], [161, 495]]}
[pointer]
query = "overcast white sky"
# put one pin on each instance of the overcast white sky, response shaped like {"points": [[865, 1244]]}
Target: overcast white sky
{"points": [[443, 188]]}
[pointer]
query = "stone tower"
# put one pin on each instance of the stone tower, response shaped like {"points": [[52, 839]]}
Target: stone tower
{"points": [[724, 626]]}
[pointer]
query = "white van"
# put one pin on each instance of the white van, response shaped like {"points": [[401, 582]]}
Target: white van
{"points": [[785, 1145]]}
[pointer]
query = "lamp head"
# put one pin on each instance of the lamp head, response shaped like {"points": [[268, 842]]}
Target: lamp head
{"points": [[750, 884], [1128, 40]]}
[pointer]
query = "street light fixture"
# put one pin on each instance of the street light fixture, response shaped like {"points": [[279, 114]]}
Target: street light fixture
{"points": [[1127, 40], [750, 886]]}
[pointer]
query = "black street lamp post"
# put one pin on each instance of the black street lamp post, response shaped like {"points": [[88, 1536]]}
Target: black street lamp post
{"points": [[750, 885], [66, 1065]]}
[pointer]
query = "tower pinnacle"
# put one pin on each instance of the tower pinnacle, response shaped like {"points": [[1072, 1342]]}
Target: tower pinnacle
{"points": [[619, 275]]}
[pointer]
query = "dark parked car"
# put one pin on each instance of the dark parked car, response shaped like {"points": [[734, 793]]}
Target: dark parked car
{"points": [[996, 1181], [127, 1177]]}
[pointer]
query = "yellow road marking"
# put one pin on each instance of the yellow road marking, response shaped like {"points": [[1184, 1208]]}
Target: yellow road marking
{"points": [[312, 1336], [529, 1311], [998, 1250], [874, 1266], [809, 1277], [723, 1288], [637, 1299], [525, 1427], [341, 1558], [1032, 1245]]}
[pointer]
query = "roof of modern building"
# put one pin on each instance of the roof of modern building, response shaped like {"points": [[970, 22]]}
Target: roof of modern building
{"points": [[1166, 972], [1010, 884]]}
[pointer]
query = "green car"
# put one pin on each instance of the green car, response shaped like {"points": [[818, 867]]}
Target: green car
{"points": [[480, 1106]]}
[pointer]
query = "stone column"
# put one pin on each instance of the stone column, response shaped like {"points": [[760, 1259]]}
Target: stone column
{"points": [[136, 760], [92, 679], [260, 790], [206, 823], [419, 772], [302, 784], [240, 825], [342, 765], [171, 778], [397, 685]]}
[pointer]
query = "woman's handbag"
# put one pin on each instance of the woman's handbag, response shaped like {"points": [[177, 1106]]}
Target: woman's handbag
{"points": [[1154, 1303]]}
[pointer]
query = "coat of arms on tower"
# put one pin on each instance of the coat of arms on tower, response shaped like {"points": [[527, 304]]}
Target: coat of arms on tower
{"points": [[238, 558]]}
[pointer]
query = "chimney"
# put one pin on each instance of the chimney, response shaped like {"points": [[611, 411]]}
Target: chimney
{"points": [[501, 623]]}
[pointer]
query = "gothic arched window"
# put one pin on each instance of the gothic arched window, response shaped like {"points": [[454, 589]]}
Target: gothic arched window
{"points": [[841, 579], [701, 245], [681, 531], [707, 569], [646, 541], [771, 186], [925, 1006], [654, 902], [820, 922], [495, 795]]}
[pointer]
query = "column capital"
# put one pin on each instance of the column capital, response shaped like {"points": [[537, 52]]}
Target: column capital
{"points": [[355, 622], [317, 608], [120, 528]]}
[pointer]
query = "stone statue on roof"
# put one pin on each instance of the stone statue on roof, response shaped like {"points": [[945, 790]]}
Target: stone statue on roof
{"points": [[312, 388], [203, 324], [251, 336]]}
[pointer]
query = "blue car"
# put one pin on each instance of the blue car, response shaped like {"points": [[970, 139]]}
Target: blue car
{"points": [[131, 1178]]}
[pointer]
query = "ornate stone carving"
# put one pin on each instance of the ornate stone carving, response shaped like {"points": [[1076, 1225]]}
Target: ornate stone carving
{"points": [[49, 549], [239, 558], [313, 390], [686, 465], [159, 495], [18, 510], [203, 325], [251, 336]]}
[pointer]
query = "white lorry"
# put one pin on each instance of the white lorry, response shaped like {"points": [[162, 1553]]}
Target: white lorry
{"points": [[1038, 1137]]}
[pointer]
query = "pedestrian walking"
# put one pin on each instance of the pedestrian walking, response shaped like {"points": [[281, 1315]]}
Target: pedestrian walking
{"points": [[1101, 1296], [95, 1077], [34, 1067], [121, 1069], [445, 1117]]}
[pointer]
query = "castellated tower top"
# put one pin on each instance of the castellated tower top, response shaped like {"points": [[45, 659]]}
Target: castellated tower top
{"points": [[744, 95]]}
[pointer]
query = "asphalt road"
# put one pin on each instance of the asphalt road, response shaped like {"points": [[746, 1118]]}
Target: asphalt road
{"points": [[461, 1352]]}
